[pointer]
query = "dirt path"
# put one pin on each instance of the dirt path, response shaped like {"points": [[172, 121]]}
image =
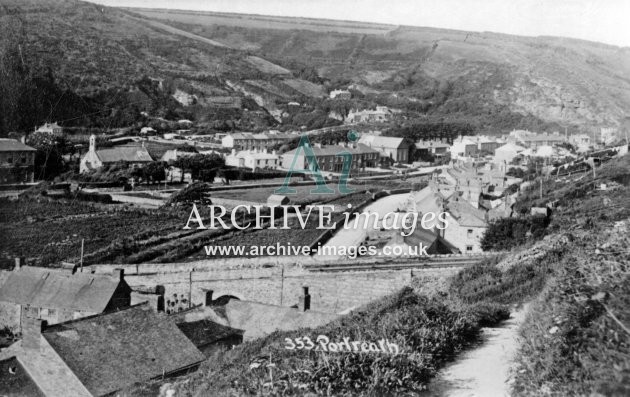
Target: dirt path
{"points": [[483, 371]]}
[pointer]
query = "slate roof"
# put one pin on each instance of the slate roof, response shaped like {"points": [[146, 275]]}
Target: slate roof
{"points": [[13, 145], [15, 381], [242, 135], [132, 154], [333, 150], [510, 147], [465, 213], [431, 144], [382, 141], [203, 332], [430, 239], [55, 289], [109, 352]]}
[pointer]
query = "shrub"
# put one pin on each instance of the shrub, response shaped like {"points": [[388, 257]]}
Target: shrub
{"points": [[507, 233]]}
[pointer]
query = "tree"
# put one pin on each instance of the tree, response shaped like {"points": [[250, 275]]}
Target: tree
{"points": [[49, 161], [154, 171], [199, 163]]}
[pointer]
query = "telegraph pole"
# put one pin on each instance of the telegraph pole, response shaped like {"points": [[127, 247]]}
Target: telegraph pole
{"points": [[82, 244]]}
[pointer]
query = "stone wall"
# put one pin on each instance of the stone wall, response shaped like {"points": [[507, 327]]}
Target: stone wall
{"points": [[276, 281]]}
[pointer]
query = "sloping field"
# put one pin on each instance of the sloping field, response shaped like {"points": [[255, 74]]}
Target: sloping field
{"points": [[305, 87], [265, 66], [264, 21]]}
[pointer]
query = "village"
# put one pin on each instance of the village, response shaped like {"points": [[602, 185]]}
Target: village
{"points": [[473, 181], [203, 203]]}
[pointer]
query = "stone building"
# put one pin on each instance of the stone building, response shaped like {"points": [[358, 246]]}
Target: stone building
{"points": [[95, 158], [58, 295], [17, 161]]}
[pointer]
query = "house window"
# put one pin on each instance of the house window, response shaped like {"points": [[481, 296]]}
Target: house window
{"points": [[469, 248], [470, 233]]}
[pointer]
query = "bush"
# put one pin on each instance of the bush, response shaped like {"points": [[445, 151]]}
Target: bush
{"points": [[507, 233], [195, 192]]}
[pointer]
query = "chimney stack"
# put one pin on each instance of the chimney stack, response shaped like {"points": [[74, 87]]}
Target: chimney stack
{"points": [[209, 297], [305, 301], [19, 262], [119, 274], [32, 332]]}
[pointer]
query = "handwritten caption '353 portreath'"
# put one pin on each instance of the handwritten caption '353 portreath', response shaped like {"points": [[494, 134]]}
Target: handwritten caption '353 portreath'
{"points": [[324, 344]]}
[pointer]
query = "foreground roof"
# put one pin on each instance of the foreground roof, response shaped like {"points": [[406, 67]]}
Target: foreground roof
{"points": [[13, 145], [15, 381], [56, 289], [109, 352]]}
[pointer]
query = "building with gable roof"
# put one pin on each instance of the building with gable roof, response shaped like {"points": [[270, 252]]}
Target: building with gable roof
{"points": [[58, 295], [17, 161], [52, 128], [102, 354], [94, 159], [327, 157], [466, 225], [395, 148]]}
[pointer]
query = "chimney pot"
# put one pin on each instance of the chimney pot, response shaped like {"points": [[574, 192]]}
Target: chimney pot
{"points": [[305, 301], [32, 332], [209, 297], [119, 274], [19, 262]]}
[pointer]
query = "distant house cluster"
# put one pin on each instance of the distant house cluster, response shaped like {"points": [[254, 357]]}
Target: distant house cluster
{"points": [[340, 94], [379, 115]]}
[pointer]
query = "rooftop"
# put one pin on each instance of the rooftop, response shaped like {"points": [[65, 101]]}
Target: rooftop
{"points": [[381, 141], [333, 150], [13, 145], [111, 351], [15, 381], [57, 289], [131, 153]]}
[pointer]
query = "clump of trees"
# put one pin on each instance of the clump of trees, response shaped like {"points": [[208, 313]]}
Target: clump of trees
{"points": [[201, 167]]}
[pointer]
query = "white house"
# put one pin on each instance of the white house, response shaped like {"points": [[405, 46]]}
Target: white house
{"points": [[340, 94], [253, 159], [395, 148], [506, 153], [52, 128], [174, 154], [381, 114], [464, 147]]}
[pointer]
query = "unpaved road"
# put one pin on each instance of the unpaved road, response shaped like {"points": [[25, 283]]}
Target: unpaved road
{"points": [[483, 371]]}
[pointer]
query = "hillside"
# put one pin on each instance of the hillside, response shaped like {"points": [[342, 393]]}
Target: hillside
{"points": [[554, 79], [94, 66], [575, 337]]}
